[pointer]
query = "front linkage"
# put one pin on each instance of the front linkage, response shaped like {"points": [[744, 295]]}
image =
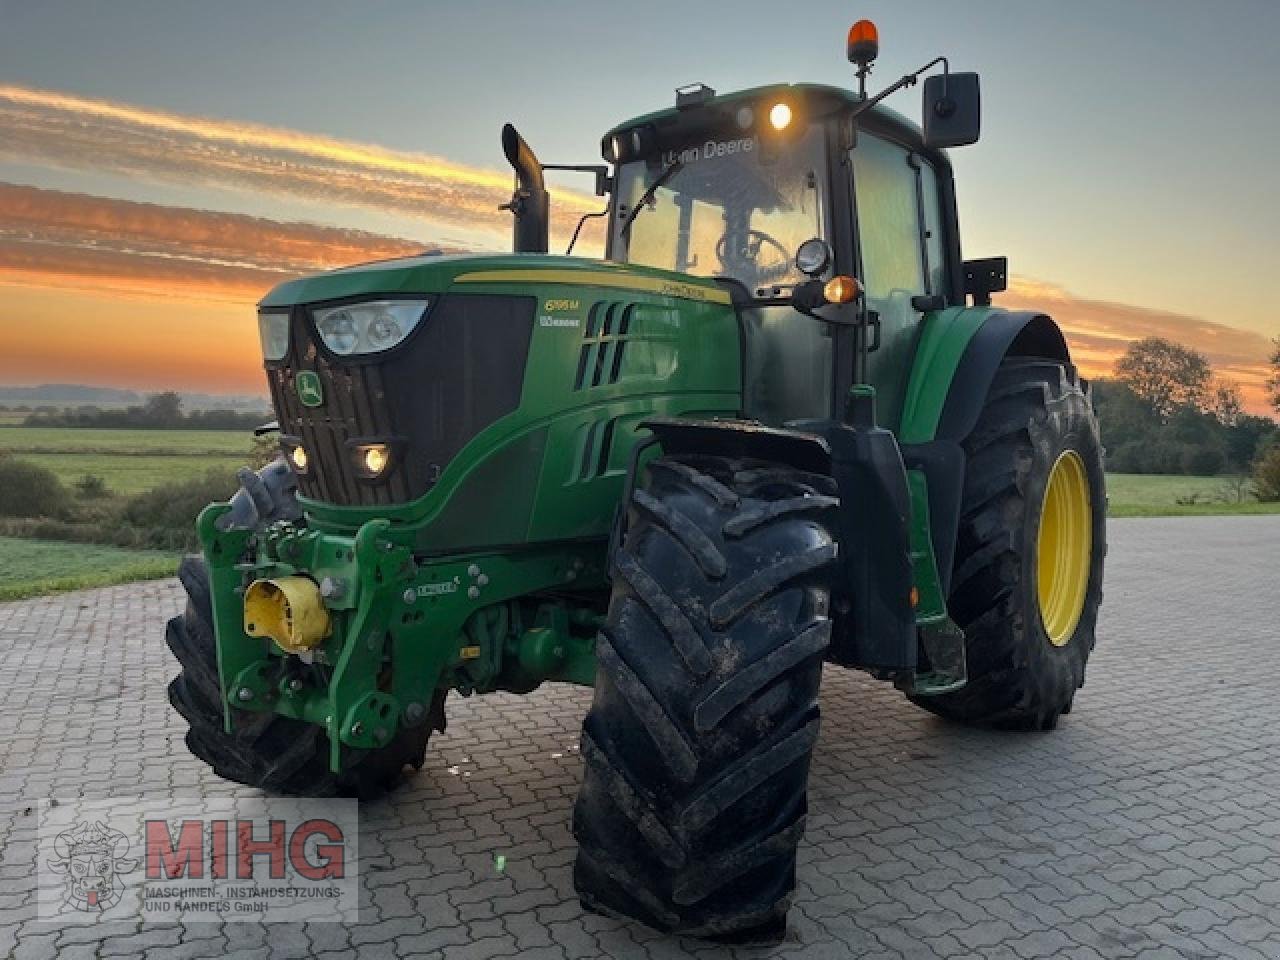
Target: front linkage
{"points": [[377, 631]]}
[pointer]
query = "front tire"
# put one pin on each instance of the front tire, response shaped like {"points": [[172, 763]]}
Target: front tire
{"points": [[705, 713], [1027, 579], [274, 753]]}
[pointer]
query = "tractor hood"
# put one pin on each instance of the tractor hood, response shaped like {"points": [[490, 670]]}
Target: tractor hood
{"points": [[438, 273], [510, 349]]}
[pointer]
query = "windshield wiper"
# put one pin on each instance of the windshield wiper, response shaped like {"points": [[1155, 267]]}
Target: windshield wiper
{"points": [[658, 181]]}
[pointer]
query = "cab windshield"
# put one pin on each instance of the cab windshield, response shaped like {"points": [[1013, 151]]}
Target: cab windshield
{"points": [[729, 208]]}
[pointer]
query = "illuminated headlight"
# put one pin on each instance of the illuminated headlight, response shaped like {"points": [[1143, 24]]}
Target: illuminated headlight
{"points": [[273, 329], [371, 459], [358, 328], [376, 458], [295, 453]]}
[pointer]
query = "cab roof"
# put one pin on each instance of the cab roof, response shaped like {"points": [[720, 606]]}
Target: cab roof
{"points": [[802, 91]]}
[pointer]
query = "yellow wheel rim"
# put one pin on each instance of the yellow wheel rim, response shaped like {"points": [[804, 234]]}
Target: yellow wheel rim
{"points": [[1064, 548]]}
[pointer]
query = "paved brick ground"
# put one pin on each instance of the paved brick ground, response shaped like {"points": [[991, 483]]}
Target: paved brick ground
{"points": [[1147, 825]]}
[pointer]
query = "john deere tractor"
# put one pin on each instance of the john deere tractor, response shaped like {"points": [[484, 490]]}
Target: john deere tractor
{"points": [[779, 425]]}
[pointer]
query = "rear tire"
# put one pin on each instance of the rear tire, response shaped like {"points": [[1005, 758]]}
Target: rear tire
{"points": [[274, 753], [1035, 412], [698, 741]]}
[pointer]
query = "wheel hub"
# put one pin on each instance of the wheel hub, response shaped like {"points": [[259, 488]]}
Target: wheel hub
{"points": [[1064, 547]]}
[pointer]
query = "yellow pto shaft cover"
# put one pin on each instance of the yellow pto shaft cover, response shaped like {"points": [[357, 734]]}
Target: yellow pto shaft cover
{"points": [[288, 610]]}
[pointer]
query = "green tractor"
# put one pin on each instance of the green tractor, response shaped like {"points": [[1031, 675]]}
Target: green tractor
{"points": [[778, 425]]}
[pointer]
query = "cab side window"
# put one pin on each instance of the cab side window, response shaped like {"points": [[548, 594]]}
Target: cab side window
{"points": [[889, 227], [935, 257]]}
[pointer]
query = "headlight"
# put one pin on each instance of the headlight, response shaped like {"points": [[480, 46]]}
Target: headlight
{"points": [[371, 327], [295, 453], [273, 329], [372, 458]]}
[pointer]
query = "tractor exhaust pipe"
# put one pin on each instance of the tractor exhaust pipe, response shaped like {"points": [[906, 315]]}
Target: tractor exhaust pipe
{"points": [[529, 204]]}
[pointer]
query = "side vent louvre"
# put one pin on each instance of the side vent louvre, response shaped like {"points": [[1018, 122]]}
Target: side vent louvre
{"points": [[594, 449], [604, 340]]}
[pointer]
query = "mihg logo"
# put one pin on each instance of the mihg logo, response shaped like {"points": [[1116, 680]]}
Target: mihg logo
{"points": [[199, 859]]}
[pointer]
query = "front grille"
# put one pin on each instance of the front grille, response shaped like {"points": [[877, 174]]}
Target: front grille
{"points": [[455, 375]]}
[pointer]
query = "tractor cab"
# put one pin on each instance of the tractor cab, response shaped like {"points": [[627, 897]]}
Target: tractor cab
{"points": [[730, 188], [733, 187], [777, 190]]}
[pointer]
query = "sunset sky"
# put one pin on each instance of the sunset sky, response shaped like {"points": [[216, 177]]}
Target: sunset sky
{"points": [[163, 164]]}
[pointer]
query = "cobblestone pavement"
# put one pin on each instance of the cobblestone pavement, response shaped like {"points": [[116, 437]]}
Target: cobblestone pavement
{"points": [[1147, 825]]}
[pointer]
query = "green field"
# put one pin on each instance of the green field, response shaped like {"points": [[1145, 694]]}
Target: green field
{"points": [[121, 442], [1157, 495], [130, 461], [131, 473], [31, 568]]}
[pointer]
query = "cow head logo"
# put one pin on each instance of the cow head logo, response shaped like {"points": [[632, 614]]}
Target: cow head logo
{"points": [[92, 857]]}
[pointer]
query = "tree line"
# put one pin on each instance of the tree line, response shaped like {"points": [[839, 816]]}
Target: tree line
{"points": [[1164, 411], [158, 411]]}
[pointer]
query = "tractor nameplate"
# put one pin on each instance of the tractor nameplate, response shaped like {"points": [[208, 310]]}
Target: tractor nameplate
{"points": [[439, 589]]}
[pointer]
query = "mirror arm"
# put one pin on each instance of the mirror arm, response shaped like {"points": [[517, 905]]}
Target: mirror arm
{"points": [[909, 80], [603, 181]]}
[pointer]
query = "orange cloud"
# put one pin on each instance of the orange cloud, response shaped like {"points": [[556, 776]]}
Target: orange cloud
{"points": [[104, 291], [1099, 331], [78, 133], [51, 238]]}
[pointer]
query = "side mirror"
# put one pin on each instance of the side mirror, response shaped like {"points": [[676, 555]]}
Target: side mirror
{"points": [[952, 110]]}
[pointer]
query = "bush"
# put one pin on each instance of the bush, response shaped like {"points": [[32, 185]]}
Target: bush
{"points": [[166, 516], [1161, 454], [1206, 461], [1248, 438], [29, 490], [91, 487], [1266, 475], [1125, 458], [265, 448]]}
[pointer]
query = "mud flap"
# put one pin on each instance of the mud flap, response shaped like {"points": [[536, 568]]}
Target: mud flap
{"points": [[875, 626]]}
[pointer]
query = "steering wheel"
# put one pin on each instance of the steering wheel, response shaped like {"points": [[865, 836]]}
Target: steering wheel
{"points": [[747, 257]]}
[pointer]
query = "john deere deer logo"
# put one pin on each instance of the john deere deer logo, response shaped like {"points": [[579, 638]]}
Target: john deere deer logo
{"points": [[92, 857], [310, 392]]}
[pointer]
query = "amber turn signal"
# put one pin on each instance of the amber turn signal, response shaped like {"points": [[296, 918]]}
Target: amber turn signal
{"points": [[841, 290]]}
